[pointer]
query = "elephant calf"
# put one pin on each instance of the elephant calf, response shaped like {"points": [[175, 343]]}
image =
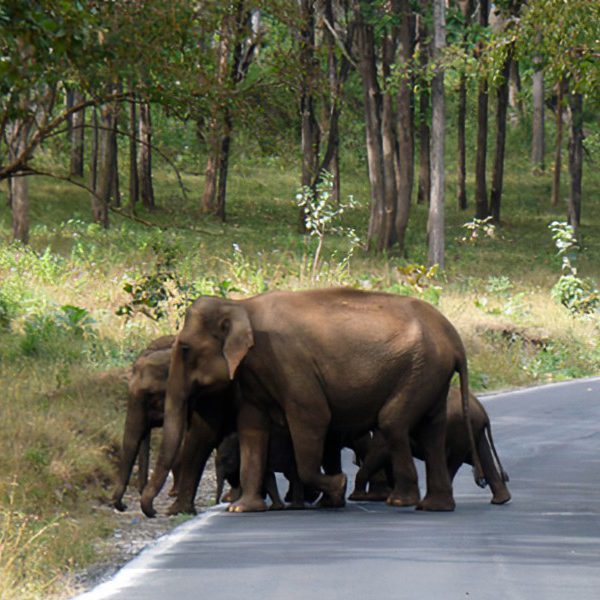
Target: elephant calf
{"points": [[145, 409], [376, 455], [280, 460]]}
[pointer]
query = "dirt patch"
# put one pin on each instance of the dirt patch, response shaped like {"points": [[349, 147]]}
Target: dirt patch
{"points": [[135, 531]]}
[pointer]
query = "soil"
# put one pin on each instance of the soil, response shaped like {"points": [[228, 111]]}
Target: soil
{"points": [[135, 531]]}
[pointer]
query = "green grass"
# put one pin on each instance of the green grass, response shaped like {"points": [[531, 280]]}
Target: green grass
{"points": [[63, 396]]}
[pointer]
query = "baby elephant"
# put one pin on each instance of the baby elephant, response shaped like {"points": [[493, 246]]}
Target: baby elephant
{"points": [[145, 408], [280, 460], [376, 456]]}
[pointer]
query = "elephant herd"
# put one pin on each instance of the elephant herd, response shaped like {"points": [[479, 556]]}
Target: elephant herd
{"points": [[282, 381]]}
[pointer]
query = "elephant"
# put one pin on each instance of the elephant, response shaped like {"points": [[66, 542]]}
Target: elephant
{"points": [[145, 411], [336, 359], [145, 408], [280, 459], [375, 454]]}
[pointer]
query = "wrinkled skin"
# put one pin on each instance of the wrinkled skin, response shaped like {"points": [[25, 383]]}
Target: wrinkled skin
{"points": [[375, 456], [145, 408], [337, 359], [145, 411], [280, 459]]}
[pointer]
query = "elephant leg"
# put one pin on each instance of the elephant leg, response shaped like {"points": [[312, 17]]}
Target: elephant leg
{"points": [[431, 435], [143, 462], [200, 440], [308, 436], [273, 492], [492, 469], [394, 424], [374, 459], [253, 430]]}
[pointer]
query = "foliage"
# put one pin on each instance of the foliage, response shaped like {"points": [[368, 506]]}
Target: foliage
{"points": [[155, 294], [418, 280], [578, 295]]}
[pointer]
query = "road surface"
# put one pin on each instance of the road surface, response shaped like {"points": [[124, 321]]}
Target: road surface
{"points": [[544, 544]]}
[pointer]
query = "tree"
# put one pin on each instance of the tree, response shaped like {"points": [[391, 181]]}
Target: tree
{"points": [[424, 188], [481, 201], [435, 223], [144, 172]]}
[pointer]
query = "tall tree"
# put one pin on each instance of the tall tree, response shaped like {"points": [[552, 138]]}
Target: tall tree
{"points": [[560, 95], [538, 144], [77, 135], [481, 200], [145, 156], [435, 223], [424, 188], [134, 182], [466, 9], [405, 125]]}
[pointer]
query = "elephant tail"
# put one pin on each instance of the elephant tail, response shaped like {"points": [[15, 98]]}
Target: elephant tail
{"points": [[220, 483], [501, 471], [478, 473]]}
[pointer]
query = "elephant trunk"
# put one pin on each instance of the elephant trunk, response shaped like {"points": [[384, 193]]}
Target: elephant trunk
{"points": [[136, 429], [175, 419]]}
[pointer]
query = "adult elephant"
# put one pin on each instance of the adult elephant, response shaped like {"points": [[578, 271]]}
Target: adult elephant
{"points": [[339, 359]]}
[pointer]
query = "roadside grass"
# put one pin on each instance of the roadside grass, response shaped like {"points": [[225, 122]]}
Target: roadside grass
{"points": [[62, 369]]}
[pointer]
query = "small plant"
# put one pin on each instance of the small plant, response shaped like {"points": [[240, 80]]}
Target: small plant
{"points": [[418, 280], [502, 299], [478, 229], [580, 296], [7, 312], [154, 294], [322, 217]]}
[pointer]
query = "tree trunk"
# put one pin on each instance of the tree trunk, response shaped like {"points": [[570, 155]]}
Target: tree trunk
{"points": [[576, 159], [537, 140], [514, 90], [223, 167], [388, 145], [19, 186], [561, 88], [462, 147], [106, 165], [367, 67], [308, 121], [424, 191], [466, 8], [435, 223], [501, 110], [145, 157], [481, 201], [94, 152], [134, 182], [77, 136], [405, 129], [115, 192]]}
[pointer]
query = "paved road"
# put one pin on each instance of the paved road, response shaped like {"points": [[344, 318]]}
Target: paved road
{"points": [[544, 545]]}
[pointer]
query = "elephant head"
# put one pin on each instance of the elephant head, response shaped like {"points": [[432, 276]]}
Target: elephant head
{"points": [[215, 338]]}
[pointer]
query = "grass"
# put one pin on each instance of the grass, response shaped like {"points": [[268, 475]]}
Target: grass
{"points": [[62, 370]]}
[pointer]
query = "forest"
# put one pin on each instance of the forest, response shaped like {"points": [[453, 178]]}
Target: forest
{"points": [[152, 152]]}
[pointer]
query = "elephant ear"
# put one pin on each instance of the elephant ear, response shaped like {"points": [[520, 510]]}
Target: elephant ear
{"points": [[238, 338]]}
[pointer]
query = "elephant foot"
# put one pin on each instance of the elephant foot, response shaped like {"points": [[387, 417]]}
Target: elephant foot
{"points": [[397, 499], [173, 492], [231, 495], [277, 506], [437, 503], [147, 507], [296, 506], [362, 496], [336, 497], [119, 505], [178, 507], [248, 505], [501, 497]]}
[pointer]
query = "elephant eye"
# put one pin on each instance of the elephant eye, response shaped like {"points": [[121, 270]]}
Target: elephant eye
{"points": [[185, 351]]}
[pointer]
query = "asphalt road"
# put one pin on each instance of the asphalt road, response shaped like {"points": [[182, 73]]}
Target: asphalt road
{"points": [[544, 544]]}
